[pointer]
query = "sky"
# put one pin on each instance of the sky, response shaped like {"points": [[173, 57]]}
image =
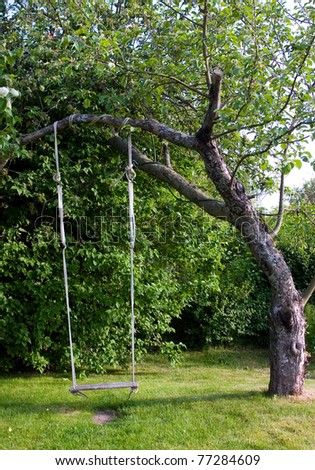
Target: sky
{"points": [[295, 179]]}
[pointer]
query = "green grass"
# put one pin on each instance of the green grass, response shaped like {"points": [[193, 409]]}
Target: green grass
{"points": [[214, 400]]}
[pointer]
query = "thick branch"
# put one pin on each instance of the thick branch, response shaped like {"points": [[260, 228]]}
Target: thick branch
{"points": [[204, 133], [277, 228], [149, 125], [213, 207], [308, 292], [161, 172]]}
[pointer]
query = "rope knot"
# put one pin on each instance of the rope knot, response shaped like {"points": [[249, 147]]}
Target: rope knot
{"points": [[57, 177], [130, 172]]}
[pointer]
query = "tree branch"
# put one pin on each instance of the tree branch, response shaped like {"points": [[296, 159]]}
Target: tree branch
{"points": [[148, 125], [204, 133], [163, 173], [307, 294], [306, 122], [171, 78], [181, 14], [3, 163], [280, 214], [247, 155], [204, 44], [176, 80], [273, 142], [297, 74], [167, 155]]}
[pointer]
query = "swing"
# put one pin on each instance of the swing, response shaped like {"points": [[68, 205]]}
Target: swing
{"points": [[77, 389]]}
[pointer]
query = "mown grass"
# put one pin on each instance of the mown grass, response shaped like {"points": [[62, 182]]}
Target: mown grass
{"points": [[214, 400]]}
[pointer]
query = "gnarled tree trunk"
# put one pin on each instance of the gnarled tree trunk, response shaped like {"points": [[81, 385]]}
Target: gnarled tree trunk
{"points": [[288, 357]]}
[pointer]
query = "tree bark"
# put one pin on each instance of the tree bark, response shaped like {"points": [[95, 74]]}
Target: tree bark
{"points": [[288, 357]]}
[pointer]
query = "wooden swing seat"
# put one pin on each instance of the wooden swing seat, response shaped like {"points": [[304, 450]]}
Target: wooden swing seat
{"points": [[104, 386]]}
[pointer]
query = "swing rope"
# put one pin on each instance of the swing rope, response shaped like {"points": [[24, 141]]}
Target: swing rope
{"points": [[57, 178], [130, 174]]}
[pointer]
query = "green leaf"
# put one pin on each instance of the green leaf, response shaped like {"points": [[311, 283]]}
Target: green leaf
{"points": [[287, 168]]}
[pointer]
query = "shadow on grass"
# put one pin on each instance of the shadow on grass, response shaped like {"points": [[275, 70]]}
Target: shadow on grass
{"points": [[212, 397], [28, 407]]}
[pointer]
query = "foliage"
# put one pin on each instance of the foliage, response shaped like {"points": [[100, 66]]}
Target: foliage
{"points": [[105, 57], [238, 311], [299, 246], [33, 324]]}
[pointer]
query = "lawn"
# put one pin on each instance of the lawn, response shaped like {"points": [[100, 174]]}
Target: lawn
{"points": [[213, 400]]}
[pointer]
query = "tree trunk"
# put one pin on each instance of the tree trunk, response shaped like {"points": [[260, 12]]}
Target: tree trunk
{"points": [[288, 357]]}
